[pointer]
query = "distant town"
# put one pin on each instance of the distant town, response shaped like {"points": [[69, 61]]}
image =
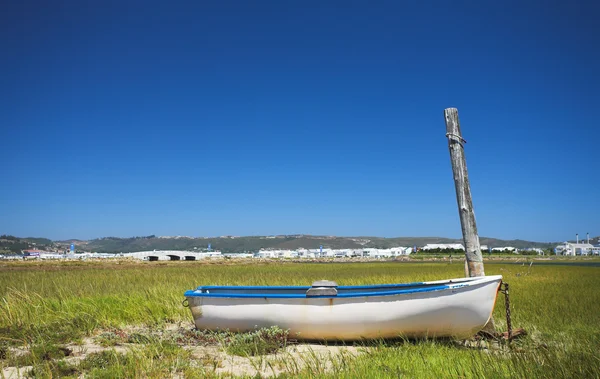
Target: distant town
{"points": [[14, 248]]}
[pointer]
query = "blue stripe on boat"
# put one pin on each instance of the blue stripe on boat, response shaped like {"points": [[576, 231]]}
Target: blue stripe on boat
{"points": [[254, 287], [303, 296]]}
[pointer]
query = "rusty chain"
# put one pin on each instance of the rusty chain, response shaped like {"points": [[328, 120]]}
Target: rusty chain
{"points": [[504, 290]]}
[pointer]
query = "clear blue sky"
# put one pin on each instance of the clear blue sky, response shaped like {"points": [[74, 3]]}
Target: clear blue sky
{"points": [[208, 118]]}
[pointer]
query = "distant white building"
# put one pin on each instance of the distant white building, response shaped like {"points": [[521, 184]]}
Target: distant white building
{"points": [[334, 253], [356, 252], [574, 249], [11, 257], [305, 253], [506, 249], [402, 250], [536, 249], [432, 246], [238, 255], [51, 256], [346, 253], [172, 255], [276, 254], [386, 253], [377, 253]]}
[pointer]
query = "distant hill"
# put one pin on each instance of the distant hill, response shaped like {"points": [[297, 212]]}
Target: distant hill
{"points": [[14, 245], [37, 241], [230, 244]]}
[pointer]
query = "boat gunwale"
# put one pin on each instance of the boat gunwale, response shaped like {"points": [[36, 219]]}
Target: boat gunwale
{"points": [[443, 285]]}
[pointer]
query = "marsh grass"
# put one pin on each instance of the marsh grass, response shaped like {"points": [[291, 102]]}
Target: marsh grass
{"points": [[44, 306], [54, 369], [112, 338], [260, 342]]}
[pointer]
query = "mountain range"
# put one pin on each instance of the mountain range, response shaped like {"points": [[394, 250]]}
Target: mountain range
{"points": [[235, 244]]}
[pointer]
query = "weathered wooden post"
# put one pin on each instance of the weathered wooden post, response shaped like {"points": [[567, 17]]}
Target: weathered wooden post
{"points": [[474, 260]]}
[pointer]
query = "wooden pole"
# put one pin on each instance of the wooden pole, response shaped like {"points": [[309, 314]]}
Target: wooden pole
{"points": [[474, 260]]}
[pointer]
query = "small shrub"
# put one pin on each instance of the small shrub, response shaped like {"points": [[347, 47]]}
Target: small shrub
{"points": [[102, 360], [107, 339], [48, 351], [63, 331], [163, 350], [54, 369], [84, 322], [196, 337], [15, 335], [211, 361], [4, 352], [66, 331], [260, 342], [141, 338], [38, 355]]}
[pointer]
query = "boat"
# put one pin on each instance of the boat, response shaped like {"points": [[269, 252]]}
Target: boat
{"points": [[456, 308]]}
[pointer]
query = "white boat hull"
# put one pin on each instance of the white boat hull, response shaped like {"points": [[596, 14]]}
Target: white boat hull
{"points": [[460, 310]]}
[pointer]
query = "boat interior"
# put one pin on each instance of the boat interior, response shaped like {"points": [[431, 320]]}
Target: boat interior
{"points": [[324, 288]]}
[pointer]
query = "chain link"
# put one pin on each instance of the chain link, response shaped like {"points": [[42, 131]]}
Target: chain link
{"points": [[504, 290]]}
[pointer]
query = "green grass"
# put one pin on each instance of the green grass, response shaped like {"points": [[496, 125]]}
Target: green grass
{"points": [[46, 305], [260, 342]]}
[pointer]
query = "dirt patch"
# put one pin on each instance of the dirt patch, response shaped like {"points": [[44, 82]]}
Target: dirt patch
{"points": [[211, 355], [293, 359]]}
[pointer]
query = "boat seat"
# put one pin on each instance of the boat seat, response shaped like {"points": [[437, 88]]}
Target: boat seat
{"points": [[322, 288]]}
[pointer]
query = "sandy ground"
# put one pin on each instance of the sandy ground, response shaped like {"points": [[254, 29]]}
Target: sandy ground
{"points": [[79, 352], [291, 359]]}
